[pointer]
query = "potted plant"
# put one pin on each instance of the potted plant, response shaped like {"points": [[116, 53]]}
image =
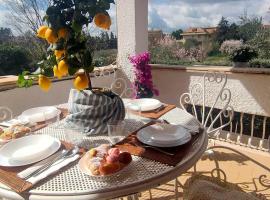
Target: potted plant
{"points": [[242, 55], [66, 22], [143, 84]]}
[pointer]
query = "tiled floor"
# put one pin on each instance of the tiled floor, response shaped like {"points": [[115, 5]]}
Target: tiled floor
{"points": [[236, 168]]}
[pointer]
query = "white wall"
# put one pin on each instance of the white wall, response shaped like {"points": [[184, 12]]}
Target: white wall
{"points": [[20, 99], [250, 92]]}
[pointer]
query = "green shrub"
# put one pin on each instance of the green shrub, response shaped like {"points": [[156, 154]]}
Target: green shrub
{"points": [[243, 54], [13, 60], [260, 63], [104, 57]]}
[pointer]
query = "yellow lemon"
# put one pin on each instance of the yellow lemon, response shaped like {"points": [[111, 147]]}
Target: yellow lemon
{"points": [[56, 72], [50, 36], [41, 31], [63, 67], [44, 83], [80, 82], [62, 33], [103, 21], [59, 53]]}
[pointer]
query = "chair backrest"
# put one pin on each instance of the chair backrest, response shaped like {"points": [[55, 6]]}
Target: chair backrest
{"points": [[196, 98], [209, 101], [5, 113], [121, 87]]}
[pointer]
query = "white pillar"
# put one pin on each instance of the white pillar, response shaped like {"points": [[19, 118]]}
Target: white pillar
{"points": [[132, 31]]}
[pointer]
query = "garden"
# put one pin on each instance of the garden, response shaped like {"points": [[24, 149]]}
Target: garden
{"points": [[242, 44]]}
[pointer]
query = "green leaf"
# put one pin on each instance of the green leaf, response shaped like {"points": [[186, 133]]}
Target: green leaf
{"points": [[72, 70]]}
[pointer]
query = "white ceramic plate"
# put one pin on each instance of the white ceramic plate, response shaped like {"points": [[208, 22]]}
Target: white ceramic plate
{"points": [[28, 150], [40, 114], [84, 169], [164, 135], [145, 104]]}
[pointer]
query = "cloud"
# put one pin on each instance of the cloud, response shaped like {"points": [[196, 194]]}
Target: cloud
{"points": [[156, 21], [201, 13]]}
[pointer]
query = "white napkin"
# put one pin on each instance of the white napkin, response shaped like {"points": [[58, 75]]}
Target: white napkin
{"points": [[53, 169]]}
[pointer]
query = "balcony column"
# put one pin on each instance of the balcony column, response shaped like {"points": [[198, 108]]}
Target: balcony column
{"points": [[132, 31]]}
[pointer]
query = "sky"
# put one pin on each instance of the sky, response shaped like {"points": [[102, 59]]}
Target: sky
{"points": [[170, 15]]}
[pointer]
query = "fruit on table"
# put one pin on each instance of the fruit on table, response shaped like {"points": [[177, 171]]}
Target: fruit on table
{"points": [[44, 82], [50, 36], [103, 21], [80, 82], [63, 67], [41, 31]]}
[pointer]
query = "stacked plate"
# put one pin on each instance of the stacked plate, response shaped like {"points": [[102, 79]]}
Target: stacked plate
{"points": [[164, 135], [40, 114], [145, 104]]}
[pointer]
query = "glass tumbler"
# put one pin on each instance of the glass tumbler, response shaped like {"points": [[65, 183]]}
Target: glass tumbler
{"points": [[116, 131]]}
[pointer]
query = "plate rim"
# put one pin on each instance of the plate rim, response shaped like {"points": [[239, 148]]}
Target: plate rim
{"points": [[186, 134], [23, 113], [145, 110], [182, 141], [56, 140]]}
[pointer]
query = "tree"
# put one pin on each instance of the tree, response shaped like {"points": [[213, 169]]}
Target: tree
{"points": [[177, 34], [25, 15], [13, 60], [261, 42], [223, 30], [233, 32], [249, 27], [5, 35]]}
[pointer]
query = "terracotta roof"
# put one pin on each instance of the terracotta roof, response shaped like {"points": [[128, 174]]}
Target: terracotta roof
{"points": [[199, 30]]}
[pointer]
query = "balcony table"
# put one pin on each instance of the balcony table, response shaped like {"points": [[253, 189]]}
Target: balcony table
{"points": [[141, 175]]}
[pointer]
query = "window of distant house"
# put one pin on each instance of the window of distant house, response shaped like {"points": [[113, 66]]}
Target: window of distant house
{"points": [[21, 50], [236, 31]]}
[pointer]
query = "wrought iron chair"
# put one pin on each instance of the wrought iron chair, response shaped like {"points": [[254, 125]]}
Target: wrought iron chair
{"points": [[213, 121]]}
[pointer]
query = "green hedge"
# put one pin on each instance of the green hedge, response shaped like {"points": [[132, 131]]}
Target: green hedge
{"points": [[13, 60], [260, 63]]}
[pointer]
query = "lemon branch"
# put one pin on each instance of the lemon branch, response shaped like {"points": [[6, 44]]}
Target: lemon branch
{"points": [[68, 53]]}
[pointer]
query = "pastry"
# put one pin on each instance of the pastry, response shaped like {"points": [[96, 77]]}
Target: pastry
{"points": [[112, 158], [113, 155], [94, 164], [92, 152], [102, 150], [109, 168], [14, 132], [125, 158], [104, 160]]}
